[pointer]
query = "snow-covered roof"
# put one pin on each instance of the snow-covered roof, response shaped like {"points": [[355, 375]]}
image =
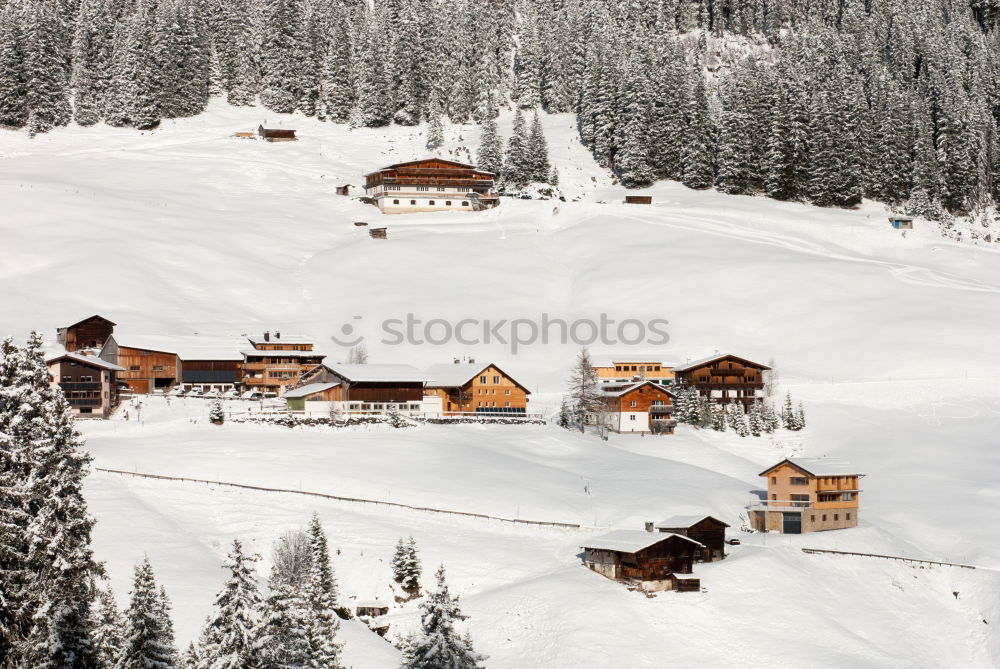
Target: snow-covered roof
{"points": [[684, 521], [632, 541], [617, 390], [375, 373], [820, 466], [610, 360], [283, 339], [454, 375], [371, 604], [188, 347], [91, 360], [718, 356], [308, 389], [84, 320]]}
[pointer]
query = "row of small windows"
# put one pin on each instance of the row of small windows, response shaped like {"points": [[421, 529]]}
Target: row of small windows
{"points": [[447, 203], [637, 368], [480, 391], [836, 516]]}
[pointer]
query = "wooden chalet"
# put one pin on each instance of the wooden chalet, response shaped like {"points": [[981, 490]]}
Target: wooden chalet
{"points": [[808, 495], [467, 387], [146, 368], [652, 559], [431, 184], [91, 332], [635, 407], [708, 531], [372, 388], [89, 384], [275, 363], [724, 378], [276, 134], [371, 609]]}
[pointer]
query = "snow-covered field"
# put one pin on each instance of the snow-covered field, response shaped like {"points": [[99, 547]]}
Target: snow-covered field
{"points": [[888, 340]]}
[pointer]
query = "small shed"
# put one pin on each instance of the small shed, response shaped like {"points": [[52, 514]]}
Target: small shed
{"points": [[638, 199], [635, 555], [378, 233], [276, 134], [299, 399], [371, 608], [345, 189], [243, 134], [901, 222], [706, 530]]}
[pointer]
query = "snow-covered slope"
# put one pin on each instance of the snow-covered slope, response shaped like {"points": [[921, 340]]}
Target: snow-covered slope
{"points": [[887, 339]]}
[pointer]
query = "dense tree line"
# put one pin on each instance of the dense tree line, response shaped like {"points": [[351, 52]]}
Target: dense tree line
{"points": [[826, 101]]}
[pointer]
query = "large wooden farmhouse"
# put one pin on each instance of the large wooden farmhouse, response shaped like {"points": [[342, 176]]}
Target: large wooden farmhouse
{"points": [[467, 387], [89, 384], [643, 406], [89, 333], [148, 366], [363, 389], [651, 559], [275, 363], [808, 495], [432, 184], [724, 378]]}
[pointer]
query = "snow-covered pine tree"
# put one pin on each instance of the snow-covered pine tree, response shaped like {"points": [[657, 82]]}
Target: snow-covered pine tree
{"points": [[771, 419], [61, 566], [216, 414], [682, 408], [736, 419], [145, 639], [756, 418], [108, 625], [282, 638], [47, 94], [554, 177], [706, 413], [336, 91], [435, 124], [490, 154], [14, 74], [718, 417], [537, 151], [516, 168], [698, 142], [800, 416], [583, 392], [167, 624], [406, 566], [373, 107], [233, 624], [281, 44], [321, 601], [564, 419], [440, 645], [91, 60]]}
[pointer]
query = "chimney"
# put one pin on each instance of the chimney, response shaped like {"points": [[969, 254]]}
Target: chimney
{"points": [[472, 361], [277, 335], [649, 526], [267, 335], [457, 361]]}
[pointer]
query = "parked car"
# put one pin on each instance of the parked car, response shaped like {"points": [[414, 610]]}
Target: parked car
{"points": [[733, 542], [253, 395]]}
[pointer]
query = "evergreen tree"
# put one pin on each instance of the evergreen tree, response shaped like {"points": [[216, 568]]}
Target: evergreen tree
{"points": [[232, 626], [146, 644], [47, 93], [698, 145], [216, 414], [14, 75], [435, 126], [736, 419], [440, 645], [583, 392], [516, 168], [537, 152], [283, 642], [756, 419], [718, 418], [490, 155], [800, 417], [771, 419], [336, 94], [321, 597], [406, 566], [108, 626]]}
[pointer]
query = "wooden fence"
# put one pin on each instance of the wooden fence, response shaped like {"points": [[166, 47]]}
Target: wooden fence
{"points": [[519, 521], [887, 557]]}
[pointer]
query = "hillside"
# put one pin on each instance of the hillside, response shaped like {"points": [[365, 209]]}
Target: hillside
{"points": [[886, 338]]}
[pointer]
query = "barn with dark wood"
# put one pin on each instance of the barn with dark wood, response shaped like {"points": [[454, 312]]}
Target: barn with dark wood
{"points": [[91, 332], [638, 199], [373, 386], [651, 559], [147, 368], [276, 134], [706, 530]]}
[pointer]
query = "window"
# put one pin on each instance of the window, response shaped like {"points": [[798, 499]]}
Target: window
{"points": [[395, 201], [482, 379], [414, 407], [465, 203], [421, 187], [507, 392], [447, 203], [836, 516], [800, 480], [800, 500], [86, 379], [812, 518], [506, 404], [355, 407], [631, 416], [824, 517], [413, 201], [848, 516], [496, 380], [157, 368], [67, 379], [848, 497], [774, 479], [774, 497], [86, 410], [440, 189]]}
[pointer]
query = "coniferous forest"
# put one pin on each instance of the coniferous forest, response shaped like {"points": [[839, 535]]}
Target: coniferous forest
{"points": [[823, 101]]}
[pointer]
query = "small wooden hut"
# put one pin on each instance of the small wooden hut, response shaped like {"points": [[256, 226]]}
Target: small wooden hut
{"points": [[638, 199], [276, 134], [706, 530]]}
